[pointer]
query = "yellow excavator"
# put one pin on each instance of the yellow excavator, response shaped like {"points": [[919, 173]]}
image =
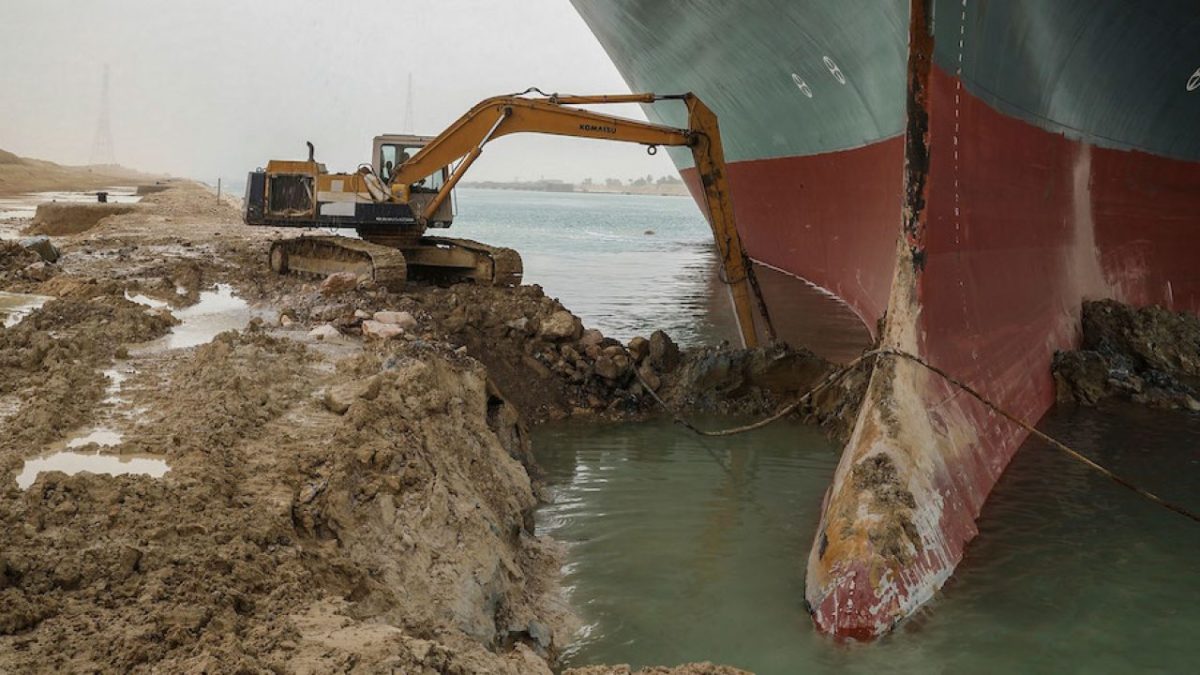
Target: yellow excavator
{"points": [[406, 190]]}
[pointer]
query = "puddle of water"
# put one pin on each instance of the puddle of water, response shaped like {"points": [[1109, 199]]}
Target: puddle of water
{"points": [[101, 436], [72, 463], [216, 312], [145, 300], [16, 306], [116, 380]]}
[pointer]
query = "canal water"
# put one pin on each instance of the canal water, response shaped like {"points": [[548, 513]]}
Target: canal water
{"points": [[684, 548], [626, 264]]}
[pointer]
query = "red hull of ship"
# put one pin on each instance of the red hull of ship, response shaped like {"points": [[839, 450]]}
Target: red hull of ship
{"points": [[1021, 226]]}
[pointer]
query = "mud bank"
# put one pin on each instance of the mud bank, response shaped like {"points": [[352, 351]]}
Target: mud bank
{"points": [[1149, 356], [68, 218], [349, 483]]}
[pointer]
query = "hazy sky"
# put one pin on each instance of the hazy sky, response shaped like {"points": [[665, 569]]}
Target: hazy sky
{"points": [[208, 88]]}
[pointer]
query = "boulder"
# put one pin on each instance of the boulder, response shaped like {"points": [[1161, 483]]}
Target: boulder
{"points": [[286, 321], [380, 330], [561, 325], [536, 366], [664, 353], [607, 368], [340, 397], [42, 246], [325, 332], [639, 347], [339, 282], [612, 351], [402, 319], [590, 337], [41, 271], [649, 377]]}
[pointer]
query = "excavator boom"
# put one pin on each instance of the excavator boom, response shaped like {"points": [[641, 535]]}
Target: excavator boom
{"points": [[463, 142]]}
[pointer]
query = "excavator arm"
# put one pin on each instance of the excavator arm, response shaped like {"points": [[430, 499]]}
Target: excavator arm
{"points": [[492, 118]]}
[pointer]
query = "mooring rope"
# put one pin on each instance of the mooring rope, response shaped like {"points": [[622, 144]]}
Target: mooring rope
{"points": [[841, 372]]}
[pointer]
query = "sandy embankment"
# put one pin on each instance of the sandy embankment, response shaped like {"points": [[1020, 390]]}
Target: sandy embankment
{"points": [[331, 505], [21, 174]]}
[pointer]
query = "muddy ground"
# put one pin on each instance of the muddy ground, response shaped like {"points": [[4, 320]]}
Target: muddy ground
{"points": [[336, 501]]}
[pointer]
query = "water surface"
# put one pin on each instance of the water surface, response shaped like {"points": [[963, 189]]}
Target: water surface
{"points": [[675, 556], [592, 251]]}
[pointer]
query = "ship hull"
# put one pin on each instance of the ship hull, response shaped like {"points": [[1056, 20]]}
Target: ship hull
{"points": [[1037, 154]]}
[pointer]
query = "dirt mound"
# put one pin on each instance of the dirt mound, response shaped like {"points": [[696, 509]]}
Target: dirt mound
{"points": [[23, 174], [285, 535], [541, 359], [14, 258], [51, 360], [1147, 355], [63, 218]]}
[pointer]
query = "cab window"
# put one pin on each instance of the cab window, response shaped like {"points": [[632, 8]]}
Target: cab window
{"points": [[387, 161]]}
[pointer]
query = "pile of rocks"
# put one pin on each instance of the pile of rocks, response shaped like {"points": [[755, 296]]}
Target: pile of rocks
{"points": [[1148, 355]]}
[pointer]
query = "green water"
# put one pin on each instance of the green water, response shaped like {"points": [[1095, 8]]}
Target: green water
{"points": [[688, 549], [592, 252]]}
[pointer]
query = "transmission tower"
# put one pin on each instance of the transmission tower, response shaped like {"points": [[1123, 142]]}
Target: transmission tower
{"points": [[408, 108], [102, 146]]}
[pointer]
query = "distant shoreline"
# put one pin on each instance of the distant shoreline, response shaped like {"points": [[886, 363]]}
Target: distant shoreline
{"points": [[656, 189]]}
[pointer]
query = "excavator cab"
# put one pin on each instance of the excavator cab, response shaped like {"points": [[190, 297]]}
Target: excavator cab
{"points": [[392, 150]]}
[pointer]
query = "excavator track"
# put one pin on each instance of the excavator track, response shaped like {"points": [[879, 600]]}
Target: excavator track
{"points": [[320, 256], [506, 268]]}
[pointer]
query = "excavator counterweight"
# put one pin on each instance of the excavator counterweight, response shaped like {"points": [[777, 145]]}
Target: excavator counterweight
{"points": [[405, 190]]}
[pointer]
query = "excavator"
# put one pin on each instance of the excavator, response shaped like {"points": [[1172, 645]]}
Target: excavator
{"points": [[406, 190]]}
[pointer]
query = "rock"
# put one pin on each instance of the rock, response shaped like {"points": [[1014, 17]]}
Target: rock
{"points": [[649, 377], [42, 246], [536, 366], [624, 363], [339, 282], [325, 332], [339, 398], [561, 325], [402, 319], [592, 351], [568, 352], [607, 368], [286, 321], [639, 347], [540, 634], [520, 325], [612, 351], [380, 330], [361, 314], [664, 353], [40, 271], [590, 337]]}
